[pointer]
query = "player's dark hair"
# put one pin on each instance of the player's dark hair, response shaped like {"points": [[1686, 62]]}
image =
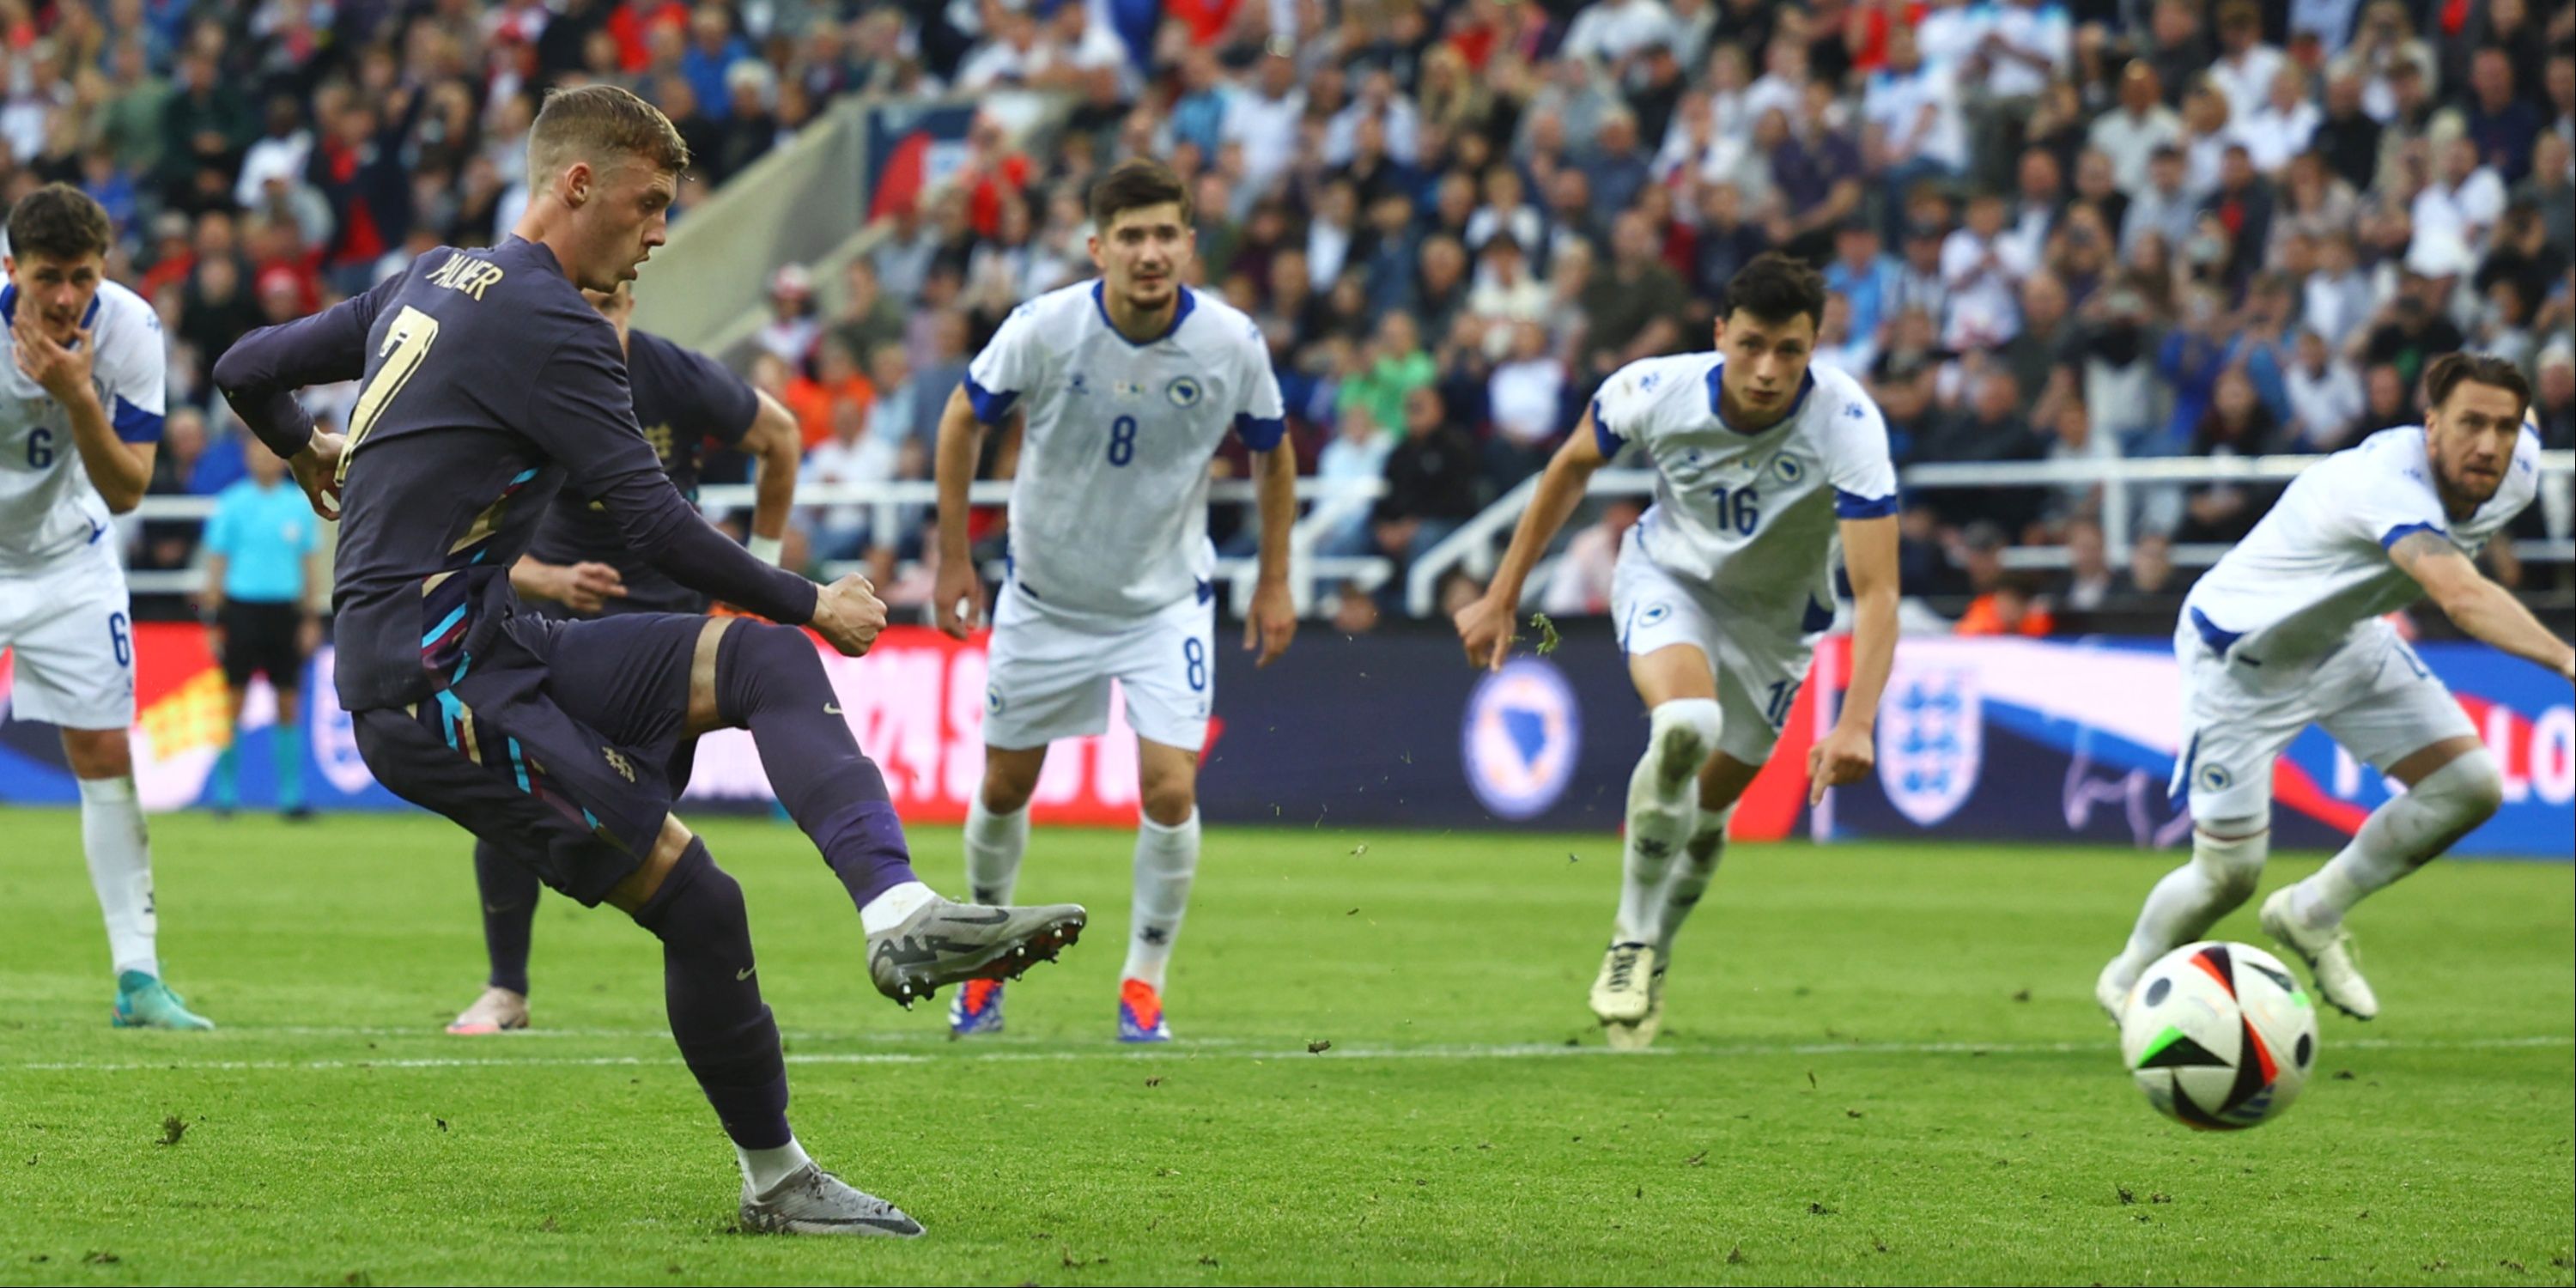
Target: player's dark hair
{"points": [[59, 222], [1134, 184], [1775, 288], [598, 123], [2452, 370]]}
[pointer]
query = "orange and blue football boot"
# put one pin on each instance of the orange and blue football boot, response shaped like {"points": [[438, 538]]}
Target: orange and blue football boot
{"points": [[977, 1008], [1140, 1013]]}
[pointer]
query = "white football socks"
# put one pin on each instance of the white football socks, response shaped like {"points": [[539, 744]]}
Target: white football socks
{"points": [[1690, 878], [1166, 859], [2401, 836], [763, 1169], [994, 846], [2191, 898], [120, 868], [887, 911], [1663, 804]]}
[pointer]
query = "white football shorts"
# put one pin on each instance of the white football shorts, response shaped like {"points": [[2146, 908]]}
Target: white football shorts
{"points": [[2374, 696], [70, 630], [1049, 673], [1758, 667]]}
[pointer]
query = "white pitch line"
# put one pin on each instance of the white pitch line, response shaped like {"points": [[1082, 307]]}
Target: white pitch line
{"points": [[1513, 1051]]}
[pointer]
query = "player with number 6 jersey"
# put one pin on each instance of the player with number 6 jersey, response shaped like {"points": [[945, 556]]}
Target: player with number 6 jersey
{"points": [[1766, 463], [79, 426], [1129, 384]]}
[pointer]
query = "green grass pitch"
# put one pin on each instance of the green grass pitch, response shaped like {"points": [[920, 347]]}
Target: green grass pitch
{"points": [[1881, 1064]]}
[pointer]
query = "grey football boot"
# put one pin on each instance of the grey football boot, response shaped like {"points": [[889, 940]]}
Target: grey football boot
{"points": [[813, 1201], [945, 943]]}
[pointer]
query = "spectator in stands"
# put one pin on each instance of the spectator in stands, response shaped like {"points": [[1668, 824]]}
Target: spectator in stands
{"points": [[2151, 575], [792, 328], [2236, 424], [2013, 607], [2139, 127], [1727, 240], [2043, 346], [2554, 395], [1993, 429], [2089, 581], [1431, 483], [1358, 451], [2325, 395], [818, 399], [1392, 367], [2390, 399], [2464, 200], [2347, 136], [1635, 308], [1526, 400], [2411, 331], [868, 318], [857, 453]]}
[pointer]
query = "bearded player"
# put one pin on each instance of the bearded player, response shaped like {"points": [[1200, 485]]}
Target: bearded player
{"points": [[2289, 630]]}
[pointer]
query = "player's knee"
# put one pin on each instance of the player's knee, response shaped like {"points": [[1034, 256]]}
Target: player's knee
{"points": [[1682, 735], [767, 661], [2471, 785], [1008, 784], [98, 753], [1170, 803], [2230, 852], [2460, 796]]}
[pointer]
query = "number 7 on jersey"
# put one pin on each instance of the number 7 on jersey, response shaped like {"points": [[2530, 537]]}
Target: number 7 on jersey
{"points": [[406, 346]]}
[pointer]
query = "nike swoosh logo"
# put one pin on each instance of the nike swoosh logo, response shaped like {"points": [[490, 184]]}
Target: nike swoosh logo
{"points": [[994, 918], [831, 708], [745, 972]]}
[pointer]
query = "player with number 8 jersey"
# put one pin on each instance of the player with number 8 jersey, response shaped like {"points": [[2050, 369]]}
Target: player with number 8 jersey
{"points": [[1129, 383]]}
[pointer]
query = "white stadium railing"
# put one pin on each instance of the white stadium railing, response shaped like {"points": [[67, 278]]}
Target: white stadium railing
{"points": [[1330, 504]]}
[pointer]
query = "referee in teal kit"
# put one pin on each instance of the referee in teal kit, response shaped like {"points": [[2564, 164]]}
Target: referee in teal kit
{"points": [[257, 605]]}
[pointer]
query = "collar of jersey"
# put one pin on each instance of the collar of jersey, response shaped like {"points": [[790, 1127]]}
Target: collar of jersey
{"points": [[1100, 300], [1806, 385], [9, 306]]}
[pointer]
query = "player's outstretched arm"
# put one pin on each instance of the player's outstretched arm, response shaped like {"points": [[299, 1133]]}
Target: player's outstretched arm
{"points": [[581, 414], [2479, 606], [958, 593], [260, 373], [1485, 627], [1272, 623], [1850, 751], [780, 447]]}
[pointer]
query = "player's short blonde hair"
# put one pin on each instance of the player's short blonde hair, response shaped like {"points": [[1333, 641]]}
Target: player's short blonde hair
{"points": [[600, 124]]}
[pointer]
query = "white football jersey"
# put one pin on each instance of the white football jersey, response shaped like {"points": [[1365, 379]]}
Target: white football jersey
{"points": [[2317, 566], [48, 509], [1750, 517], [1109, 506]]}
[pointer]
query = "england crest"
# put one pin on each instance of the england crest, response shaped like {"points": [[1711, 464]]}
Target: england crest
{"points": [[1931, 741]]}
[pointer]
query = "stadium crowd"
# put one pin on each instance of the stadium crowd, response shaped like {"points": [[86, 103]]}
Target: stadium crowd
{"points": [[2105, 227]]}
